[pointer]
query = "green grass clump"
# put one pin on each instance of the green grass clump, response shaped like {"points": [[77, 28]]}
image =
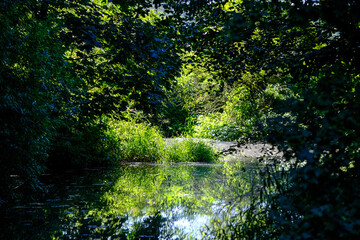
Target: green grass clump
{"points": [[134, 142], [129, 141], [190, 150]]}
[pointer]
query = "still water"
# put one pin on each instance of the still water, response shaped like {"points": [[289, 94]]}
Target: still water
{"points": [[135, 201]]}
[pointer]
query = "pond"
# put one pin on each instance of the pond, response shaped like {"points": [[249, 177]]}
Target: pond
{"points": [[134, 201]]}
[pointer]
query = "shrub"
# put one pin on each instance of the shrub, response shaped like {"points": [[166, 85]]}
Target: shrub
{"points": [[243, 112], [216, 126]]}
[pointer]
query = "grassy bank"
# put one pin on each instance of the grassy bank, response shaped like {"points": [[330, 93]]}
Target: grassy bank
{"points": [[140, 142]]}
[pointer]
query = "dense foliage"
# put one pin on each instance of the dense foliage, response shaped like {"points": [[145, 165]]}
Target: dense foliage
{"points": [[66, 63], [282, 71], [34, 86], [312, 46]]}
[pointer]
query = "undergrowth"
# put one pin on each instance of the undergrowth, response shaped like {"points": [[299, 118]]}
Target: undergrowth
{"points": [[131, 141], [190, 150], [135, 142], [243, 113]]}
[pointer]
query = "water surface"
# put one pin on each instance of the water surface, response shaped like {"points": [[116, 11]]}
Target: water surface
{"points": [[134, 201]]}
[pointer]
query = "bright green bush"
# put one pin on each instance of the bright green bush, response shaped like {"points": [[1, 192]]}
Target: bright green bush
{"points": [[216, 126], [190, 150], [242, 113]]}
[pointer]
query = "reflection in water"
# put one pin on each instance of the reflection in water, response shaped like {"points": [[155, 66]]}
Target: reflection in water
{"points": [[136, 202]]}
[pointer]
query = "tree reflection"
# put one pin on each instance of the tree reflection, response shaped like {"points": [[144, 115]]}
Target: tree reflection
{"points": [[149, 202]]}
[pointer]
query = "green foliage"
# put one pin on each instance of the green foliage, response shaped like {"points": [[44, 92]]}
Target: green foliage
{"points": [[192, 93], [289, 66], [176, 121], [197, 89], [216, 126], [173, 118], [312, 45], [134, 142], [227, 111], [131, 141], [190, 150], [66, 63], [242, 114], [34, 82]]}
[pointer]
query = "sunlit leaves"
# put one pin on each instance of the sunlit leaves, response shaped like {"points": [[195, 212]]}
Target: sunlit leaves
{"points": [[308, 41]]}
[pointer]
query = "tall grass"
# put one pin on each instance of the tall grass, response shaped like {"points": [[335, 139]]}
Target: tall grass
{"points": [[135, 142], [140, 142], [190, 150]]}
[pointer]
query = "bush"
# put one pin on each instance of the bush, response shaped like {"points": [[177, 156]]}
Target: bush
{"points": [[216, 126], [243, 112]]}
